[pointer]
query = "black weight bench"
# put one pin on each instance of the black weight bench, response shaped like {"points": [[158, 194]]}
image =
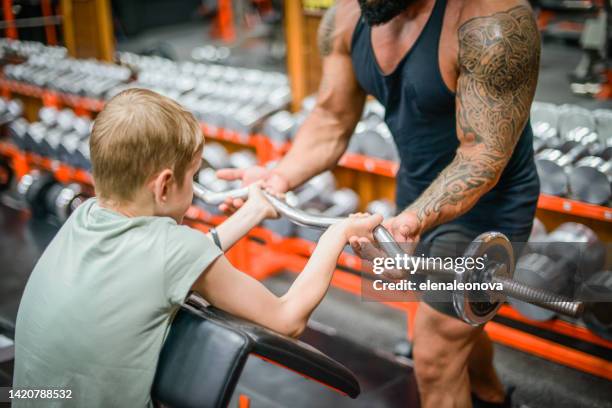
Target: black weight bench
{"points": [[206, 349]]}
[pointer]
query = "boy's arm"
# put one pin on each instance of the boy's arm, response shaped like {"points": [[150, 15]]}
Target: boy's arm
{"points": [[238, 225], [254, 211], [229, 289]]}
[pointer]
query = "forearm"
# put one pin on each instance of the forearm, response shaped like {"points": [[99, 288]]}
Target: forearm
{"points": [[457, 188], [317, 147], [312, 283], [238, 225]]}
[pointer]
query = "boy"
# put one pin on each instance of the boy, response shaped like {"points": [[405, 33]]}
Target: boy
{"points": [[99, 302]]}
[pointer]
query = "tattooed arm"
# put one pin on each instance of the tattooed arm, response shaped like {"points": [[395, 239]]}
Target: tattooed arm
{"points": [[498, 69], [324, 136]]}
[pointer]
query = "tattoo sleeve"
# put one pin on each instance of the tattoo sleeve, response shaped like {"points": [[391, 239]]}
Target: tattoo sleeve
{"points": [[498, 70], [327, 27]]}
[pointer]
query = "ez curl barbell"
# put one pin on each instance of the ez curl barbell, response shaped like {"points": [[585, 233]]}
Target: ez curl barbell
{"points": [[474, 307]]}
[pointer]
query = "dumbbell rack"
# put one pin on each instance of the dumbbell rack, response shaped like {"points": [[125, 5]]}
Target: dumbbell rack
{"points": [[263, 253]]}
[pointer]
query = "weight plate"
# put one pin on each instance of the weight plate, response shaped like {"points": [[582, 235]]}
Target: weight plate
{"points": [[471, 305]]}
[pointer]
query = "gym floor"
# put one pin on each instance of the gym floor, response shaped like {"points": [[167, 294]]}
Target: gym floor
{"points": [[361, 335]]}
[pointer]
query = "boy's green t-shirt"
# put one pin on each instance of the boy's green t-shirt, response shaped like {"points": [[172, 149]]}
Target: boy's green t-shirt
{"points": [[98, 304]]}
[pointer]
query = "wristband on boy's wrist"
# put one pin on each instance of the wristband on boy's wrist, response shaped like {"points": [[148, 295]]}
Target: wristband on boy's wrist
{"points": [[215, 237]]}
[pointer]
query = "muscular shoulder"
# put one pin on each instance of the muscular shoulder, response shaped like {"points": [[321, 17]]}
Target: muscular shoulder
{"points": [[482, 9], [499, 34], [499, 52], [337, 26]]}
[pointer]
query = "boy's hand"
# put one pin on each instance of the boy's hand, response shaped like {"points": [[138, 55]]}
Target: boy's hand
{"points": [[361, 225], [365, 248], [273, 182], [259, 203]]}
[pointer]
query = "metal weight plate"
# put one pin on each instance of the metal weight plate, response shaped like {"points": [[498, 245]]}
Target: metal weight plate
{"points": [[472, 306]]}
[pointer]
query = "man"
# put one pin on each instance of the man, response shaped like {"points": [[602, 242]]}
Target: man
{"points": [[457, 79]]}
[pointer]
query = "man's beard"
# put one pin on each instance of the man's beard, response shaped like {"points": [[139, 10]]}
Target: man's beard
{"points": [[376, 12]]}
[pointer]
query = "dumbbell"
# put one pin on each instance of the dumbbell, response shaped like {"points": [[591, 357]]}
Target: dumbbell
{"points": [[68, 148], [208, 178], [578, 244], [340, 203], [82, 126], [559, 262], [248, 118], [590, 180], [97, 88], [279, 97], [552, 166], [544, 120], [384, 207], [308, 103], [215, 156], [61, 200], [603, 119], [32, 188], [48, 116], [10, 110], [52, 141], [311, 197], [212, 112], [35, 136], [321, 185], [74, 150], [597, 292], [378, 142], [17, 132], [574, 119], [210, 53], [82, 155], [373, 108], [65, 119], [242, 159], [278, 127], [605, 152], [229, 117], [354, 145], [540, 271]]}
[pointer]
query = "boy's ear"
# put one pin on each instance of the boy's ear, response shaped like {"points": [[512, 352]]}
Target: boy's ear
{"points": [[161, 185]]}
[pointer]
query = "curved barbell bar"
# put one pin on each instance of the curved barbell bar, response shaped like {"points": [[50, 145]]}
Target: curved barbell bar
{"points": [[392, 249]]}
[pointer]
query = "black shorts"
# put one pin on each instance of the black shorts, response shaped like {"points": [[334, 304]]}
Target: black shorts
{"points": [[451, 240]]}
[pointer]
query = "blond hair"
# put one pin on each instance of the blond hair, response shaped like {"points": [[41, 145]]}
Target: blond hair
{"points": [[138, 134]]}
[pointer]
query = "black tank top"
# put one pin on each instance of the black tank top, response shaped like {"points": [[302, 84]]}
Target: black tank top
{"points": [[420, 112]]}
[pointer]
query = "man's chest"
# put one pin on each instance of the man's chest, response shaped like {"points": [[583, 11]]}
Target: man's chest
{"points": [[391, 46]]}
